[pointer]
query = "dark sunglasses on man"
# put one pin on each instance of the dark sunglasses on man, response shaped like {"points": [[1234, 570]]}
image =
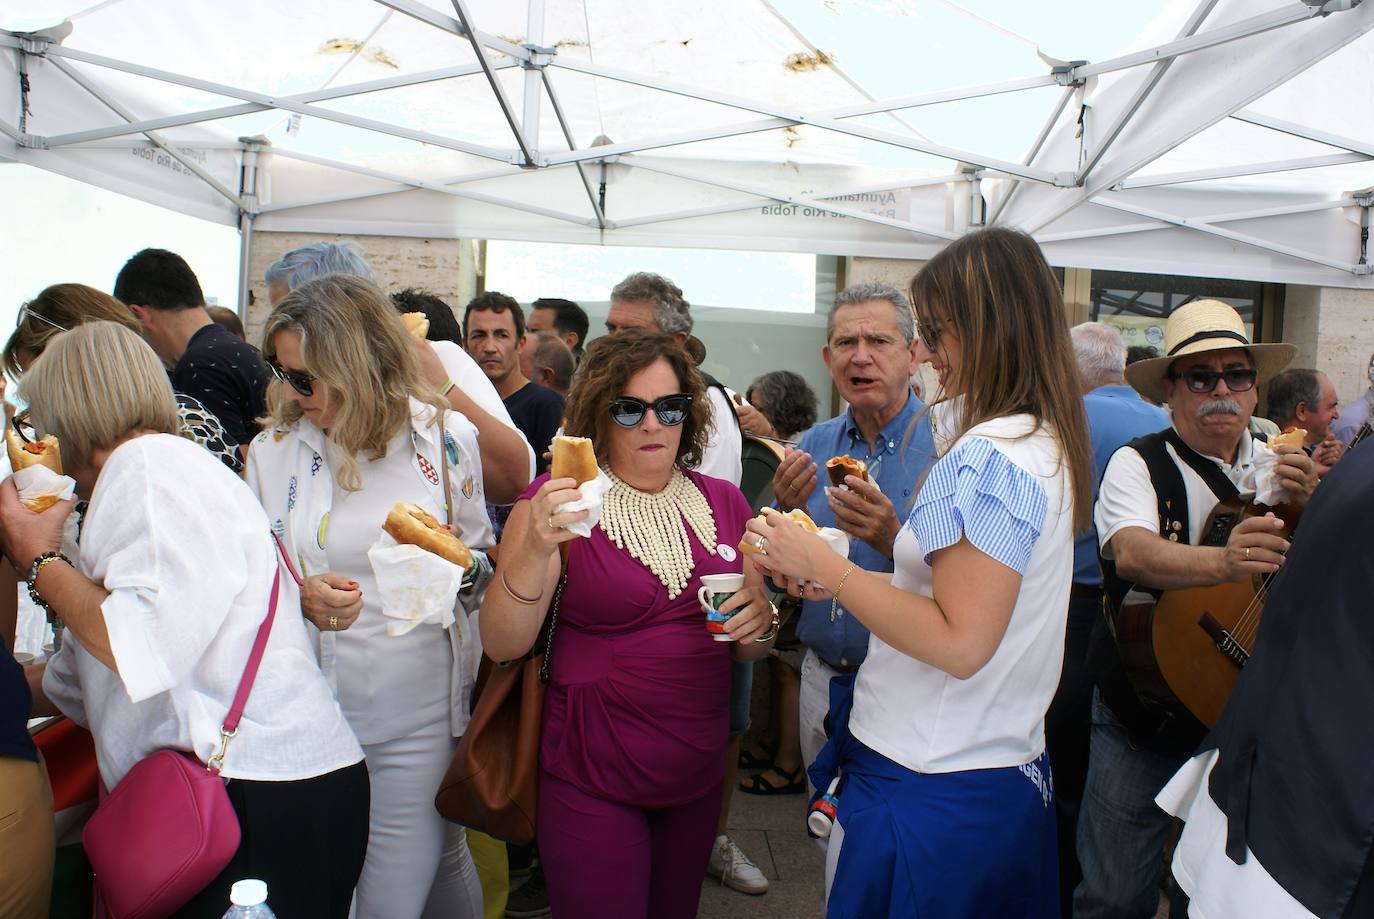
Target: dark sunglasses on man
{"points": [[1201, 380], [302, 383], [671, 411]]}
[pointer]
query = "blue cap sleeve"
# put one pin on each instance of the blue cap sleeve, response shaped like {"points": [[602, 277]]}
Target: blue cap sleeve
{"points": [[975, 491]]}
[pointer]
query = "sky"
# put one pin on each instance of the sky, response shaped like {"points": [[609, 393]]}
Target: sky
{"points": [[62, 230]]}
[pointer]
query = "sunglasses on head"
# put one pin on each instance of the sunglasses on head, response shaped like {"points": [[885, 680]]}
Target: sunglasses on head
{"points": [[302, 383], [671, 411], [27, 312], [1201, 380]]}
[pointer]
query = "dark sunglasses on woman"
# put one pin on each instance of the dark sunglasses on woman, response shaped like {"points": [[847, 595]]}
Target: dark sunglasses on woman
{"points": [[671, 411], [302, 383], [1200, 380]]}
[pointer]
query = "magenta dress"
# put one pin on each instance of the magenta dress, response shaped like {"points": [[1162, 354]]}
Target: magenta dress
{"points": [[635, 717]]}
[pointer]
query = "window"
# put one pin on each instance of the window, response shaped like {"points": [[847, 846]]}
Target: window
{"points": [[1137, 304]]}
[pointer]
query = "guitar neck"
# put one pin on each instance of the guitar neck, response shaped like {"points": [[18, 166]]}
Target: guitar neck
{"points": [[1360, 435]]}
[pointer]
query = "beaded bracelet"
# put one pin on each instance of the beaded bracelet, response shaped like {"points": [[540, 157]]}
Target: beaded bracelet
{"points": [[519, 598], [32, 580]]}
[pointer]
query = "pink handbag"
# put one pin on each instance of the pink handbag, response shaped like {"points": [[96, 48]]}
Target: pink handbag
{"points": [[168, 828]]}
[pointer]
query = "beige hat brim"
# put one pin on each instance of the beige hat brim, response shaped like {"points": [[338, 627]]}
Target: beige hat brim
{"points": [[1147, 377]]}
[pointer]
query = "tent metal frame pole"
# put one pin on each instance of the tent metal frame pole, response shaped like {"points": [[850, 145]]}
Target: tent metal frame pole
{"points": [[1242, 238], [572, 145], [1244, 28], [11, 131], [1142, 92], [1249, 169], [230, 111], [432, 186], [758, 201], [80, 80], [448, 24], [248, 192], [818, 120], [799, 200], [1231, 217], [56, 52], [528, 156], [534, 40], [376, 193], [1306, 133], [1040, 139]]}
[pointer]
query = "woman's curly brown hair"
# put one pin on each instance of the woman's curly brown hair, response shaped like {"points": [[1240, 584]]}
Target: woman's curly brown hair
{"points": [[606, 368]]}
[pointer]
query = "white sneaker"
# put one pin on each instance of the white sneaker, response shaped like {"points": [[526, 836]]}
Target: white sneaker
{"points": [[733, 867]]}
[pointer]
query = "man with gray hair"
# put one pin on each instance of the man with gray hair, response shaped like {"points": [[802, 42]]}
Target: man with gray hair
{"points": [[312, 261], [1116, 416], [1304, 398], [507, 460]]}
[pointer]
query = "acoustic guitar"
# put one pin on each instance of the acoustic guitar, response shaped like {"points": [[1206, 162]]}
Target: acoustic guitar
{"points": [[1190, 645]]}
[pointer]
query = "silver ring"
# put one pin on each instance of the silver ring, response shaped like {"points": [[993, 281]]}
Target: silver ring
{"points": [[762, 545], [551, 525], [1247, 553]]}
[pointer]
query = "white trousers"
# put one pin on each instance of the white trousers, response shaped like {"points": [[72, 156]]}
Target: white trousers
{"points": [[812, 706], [418, 864]]}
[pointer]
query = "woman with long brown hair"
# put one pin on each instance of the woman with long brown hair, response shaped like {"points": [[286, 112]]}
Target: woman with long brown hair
{"points": [[945, 798]]}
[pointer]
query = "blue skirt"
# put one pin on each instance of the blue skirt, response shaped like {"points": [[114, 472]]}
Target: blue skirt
{"points": [[956, 845]]}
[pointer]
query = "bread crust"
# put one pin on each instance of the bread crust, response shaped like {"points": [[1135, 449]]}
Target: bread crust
{"points": [[412, 525], [1293, 437], [43, 452], [573, 458], [416, 324], [837, 467]]}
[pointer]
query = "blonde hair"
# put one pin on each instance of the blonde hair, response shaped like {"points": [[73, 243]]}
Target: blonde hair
{"points": [[354, 344], [65, 305], [95, 385]]}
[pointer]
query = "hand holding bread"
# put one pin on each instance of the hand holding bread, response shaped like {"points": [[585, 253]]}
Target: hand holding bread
{"points": [[26, 455], [410, 524]]}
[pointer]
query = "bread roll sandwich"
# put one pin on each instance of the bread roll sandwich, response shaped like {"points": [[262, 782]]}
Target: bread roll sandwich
{"points": [[1293, 437], [23, 455], [796, 515], [416, 324], [573, 458], [840, 466], [411, 525]]}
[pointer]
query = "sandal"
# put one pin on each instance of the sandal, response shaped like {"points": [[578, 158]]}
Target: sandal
{"points": [[748, 759], [758, 785]]}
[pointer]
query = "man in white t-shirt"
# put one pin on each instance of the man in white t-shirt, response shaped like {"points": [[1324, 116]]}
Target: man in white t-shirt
{"points": [[1155, 498], [507, 460]]}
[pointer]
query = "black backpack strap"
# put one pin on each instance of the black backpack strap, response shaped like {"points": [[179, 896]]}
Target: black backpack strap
{"points": [[713, 383], [1207, 469]]}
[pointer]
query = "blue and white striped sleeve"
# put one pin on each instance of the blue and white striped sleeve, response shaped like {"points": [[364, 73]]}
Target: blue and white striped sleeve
{"points": [[974, 491]]}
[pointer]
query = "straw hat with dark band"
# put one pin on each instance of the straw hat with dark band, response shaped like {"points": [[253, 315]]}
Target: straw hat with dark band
{"points": [[1197, 327]]}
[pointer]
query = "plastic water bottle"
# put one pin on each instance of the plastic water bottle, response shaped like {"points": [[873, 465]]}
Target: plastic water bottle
{"points": [[249, 901], [821, 819]]}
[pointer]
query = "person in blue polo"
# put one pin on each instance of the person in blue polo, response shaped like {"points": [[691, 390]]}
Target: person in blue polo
{"points": [[871, 352]]}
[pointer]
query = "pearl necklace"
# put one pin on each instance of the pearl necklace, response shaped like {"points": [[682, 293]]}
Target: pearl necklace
{"points": [[650, 526]]}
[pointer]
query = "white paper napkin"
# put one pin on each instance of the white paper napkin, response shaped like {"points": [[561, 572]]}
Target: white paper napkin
{"points": [[593, 495], [40, 481], [1267, 488], [415, 587], [837, 540]]}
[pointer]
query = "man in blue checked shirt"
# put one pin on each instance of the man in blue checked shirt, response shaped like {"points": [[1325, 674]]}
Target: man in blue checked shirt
{"points": [[871, 352]]}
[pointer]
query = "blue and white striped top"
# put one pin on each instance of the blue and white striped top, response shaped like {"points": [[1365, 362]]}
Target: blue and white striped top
{"points": [[1004, 486]]}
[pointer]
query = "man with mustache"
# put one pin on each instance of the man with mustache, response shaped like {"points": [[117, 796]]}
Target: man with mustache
{"points": [[1155, 497]]}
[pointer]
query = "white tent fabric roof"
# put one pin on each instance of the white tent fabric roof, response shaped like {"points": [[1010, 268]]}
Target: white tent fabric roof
{"points": [[1234, 142]]}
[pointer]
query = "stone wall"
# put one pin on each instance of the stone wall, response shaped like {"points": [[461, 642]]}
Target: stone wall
{"points": [[447, 268], [1333, 328]]}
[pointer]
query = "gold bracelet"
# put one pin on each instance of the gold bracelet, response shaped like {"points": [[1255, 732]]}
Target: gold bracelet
{"points": [[528, 601], [835, 594]]}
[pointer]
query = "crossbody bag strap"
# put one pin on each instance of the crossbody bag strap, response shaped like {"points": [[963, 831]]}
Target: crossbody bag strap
{"points": [[545, 639], [443, 465], [230, 726]]}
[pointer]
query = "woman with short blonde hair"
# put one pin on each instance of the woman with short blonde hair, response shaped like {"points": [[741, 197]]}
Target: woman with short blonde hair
{"points": [[353, 429], [174, 577]]}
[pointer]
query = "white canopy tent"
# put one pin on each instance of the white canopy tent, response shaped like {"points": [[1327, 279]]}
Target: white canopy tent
{"points": [[1235, 142]]}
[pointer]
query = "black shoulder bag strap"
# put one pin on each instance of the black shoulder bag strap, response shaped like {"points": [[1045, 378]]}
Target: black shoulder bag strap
{"points": [[713, 383]]}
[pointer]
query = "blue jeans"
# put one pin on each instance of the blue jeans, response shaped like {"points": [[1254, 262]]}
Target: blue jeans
{"points": [[1121, 831], [741, 691]]}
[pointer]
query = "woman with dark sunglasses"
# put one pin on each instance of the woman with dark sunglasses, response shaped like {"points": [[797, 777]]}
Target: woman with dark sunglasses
{"points": [[635, 715], [354, 428]]}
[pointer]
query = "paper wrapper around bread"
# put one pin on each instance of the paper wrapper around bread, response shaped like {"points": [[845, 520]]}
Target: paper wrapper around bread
{"points": [[593, 494], [415, 586], [40, 488]]}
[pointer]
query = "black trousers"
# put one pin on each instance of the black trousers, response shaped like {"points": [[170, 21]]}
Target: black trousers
{"points": [[1068, 725], [306, 839]]}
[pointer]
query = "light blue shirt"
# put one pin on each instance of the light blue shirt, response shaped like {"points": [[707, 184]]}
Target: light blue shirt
{"points": [[1116, 416], [896, 464]]}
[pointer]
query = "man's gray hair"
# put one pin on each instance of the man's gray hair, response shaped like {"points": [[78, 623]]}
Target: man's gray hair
{"points": [[1101, 353], [874, 290], [1294, 385], [317, 260], [671, 309]]}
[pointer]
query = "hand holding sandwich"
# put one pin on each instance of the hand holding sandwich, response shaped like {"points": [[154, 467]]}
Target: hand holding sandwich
{"points": [[865, 512], [28, 535], [1297, 474]]}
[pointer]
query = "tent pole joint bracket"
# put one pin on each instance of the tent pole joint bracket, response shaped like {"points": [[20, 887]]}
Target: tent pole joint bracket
{"points": [[1364, 199], [540, 56], [33, 141], [1067, 74], [1327, 7], [1066, 180], [36, 45]]}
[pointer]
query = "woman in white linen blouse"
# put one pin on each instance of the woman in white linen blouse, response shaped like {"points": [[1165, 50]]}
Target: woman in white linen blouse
{"points": [[162, 606], [353, 429]]}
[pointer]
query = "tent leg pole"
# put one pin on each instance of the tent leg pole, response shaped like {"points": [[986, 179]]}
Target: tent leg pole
{"points": [[245, 254]]}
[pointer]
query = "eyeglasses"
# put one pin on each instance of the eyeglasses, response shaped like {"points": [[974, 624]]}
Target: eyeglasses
{"points": [[671, 411], [21, 422], [930, 333], [1201, 380], [302, 383], [27, 312]]}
